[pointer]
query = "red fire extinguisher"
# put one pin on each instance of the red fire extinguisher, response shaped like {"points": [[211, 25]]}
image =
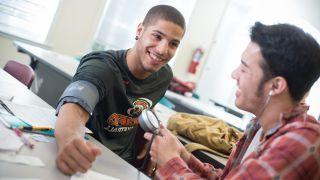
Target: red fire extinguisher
{"points": [[197, 55]]}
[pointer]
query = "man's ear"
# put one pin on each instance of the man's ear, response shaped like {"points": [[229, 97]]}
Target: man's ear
{"points": [[278, 85], [139, 31]]}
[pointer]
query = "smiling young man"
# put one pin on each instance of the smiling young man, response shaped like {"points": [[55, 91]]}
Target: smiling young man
{"points": [[277, 70], [111, 88]]}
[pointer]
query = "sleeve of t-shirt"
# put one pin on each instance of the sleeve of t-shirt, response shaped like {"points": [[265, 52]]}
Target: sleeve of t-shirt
{"points": [[99, 69]]}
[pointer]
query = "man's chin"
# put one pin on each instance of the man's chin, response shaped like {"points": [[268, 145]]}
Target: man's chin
{"points": [[152, 69], [149, 70], [239, 105]]}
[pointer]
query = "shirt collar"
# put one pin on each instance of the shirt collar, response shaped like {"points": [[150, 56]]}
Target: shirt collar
{"points": [[285, 118], [300, 109]]}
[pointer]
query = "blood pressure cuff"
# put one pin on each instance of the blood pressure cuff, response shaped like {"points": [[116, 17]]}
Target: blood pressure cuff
{"points": [[80, 92]]}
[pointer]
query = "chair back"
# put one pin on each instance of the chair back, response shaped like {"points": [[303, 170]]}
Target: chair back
{"points": [[21, 72]]}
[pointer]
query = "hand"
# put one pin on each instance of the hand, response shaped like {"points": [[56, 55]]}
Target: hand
{"points": [[164, 147], [76, 155]]}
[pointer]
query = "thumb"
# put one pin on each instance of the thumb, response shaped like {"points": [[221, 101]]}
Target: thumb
{"points": [[94, 149], [147, 136]]}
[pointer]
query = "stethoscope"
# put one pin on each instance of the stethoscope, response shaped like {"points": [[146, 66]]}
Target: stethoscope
{"points": [[149, 122]]}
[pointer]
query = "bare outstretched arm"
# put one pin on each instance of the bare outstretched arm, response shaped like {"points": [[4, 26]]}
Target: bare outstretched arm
{"points": [[74, 153]]}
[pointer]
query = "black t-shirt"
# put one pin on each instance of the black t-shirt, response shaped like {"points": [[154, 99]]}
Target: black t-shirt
{"points": [[122, 97]]}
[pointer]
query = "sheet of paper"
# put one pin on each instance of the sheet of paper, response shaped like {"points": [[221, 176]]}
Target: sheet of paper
{"points": [[40, 138], [3, 110], [21, 159], [8, 88], [6, 97], [35, 115], [9, 141], [91, 175], [12, 121]]}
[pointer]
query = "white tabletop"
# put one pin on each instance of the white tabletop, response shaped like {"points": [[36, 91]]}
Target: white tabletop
{"points": [[10, 87]]}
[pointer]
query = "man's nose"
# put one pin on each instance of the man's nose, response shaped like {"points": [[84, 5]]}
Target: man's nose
{"points": [[163, 47], [234, 73]]}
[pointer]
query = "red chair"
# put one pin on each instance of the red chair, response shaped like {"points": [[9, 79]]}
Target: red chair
{"points": [[22, 72]]}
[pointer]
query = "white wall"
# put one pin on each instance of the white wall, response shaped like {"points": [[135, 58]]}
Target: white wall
{"points": [[201, 31], [75, 25], [9, 52], [76, 21], [71, 33]]}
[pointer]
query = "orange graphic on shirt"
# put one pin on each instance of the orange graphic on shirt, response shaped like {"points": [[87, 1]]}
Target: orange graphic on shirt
{"points": [[138, 106], [122, 120]]}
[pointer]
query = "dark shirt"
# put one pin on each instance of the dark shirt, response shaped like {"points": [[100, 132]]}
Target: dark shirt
{"points": [[122, 97]]}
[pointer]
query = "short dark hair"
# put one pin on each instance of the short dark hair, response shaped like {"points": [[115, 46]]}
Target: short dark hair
{"points": [[288, 52], [164, 12]]}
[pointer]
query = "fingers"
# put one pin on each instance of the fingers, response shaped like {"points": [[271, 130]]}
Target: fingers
{"points": [[74, 164], [76, 160], [153, 155], [84, 149], [147, 136], [94, 149], [76, 156], [64, 167], [143, 153]]}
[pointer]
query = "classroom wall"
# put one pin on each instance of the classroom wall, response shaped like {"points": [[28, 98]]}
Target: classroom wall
{"points": [[73, 29], [201, 31], [206, 19], [232, 37], [9, 52], [71, 33], [75, 25]]}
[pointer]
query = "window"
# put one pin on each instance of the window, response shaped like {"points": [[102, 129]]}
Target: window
{"points": [[121, 17], [27, 19]]}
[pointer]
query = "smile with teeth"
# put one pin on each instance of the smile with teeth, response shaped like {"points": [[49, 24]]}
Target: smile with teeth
{"points": [[155, 57]]}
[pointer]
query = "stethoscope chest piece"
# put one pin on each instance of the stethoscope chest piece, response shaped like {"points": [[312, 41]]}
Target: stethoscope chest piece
{"points": [[149, 121]]}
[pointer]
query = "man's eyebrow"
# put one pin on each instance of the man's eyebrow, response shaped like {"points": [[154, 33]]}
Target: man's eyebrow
{"points": [[244, 63], [157, 31]]}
